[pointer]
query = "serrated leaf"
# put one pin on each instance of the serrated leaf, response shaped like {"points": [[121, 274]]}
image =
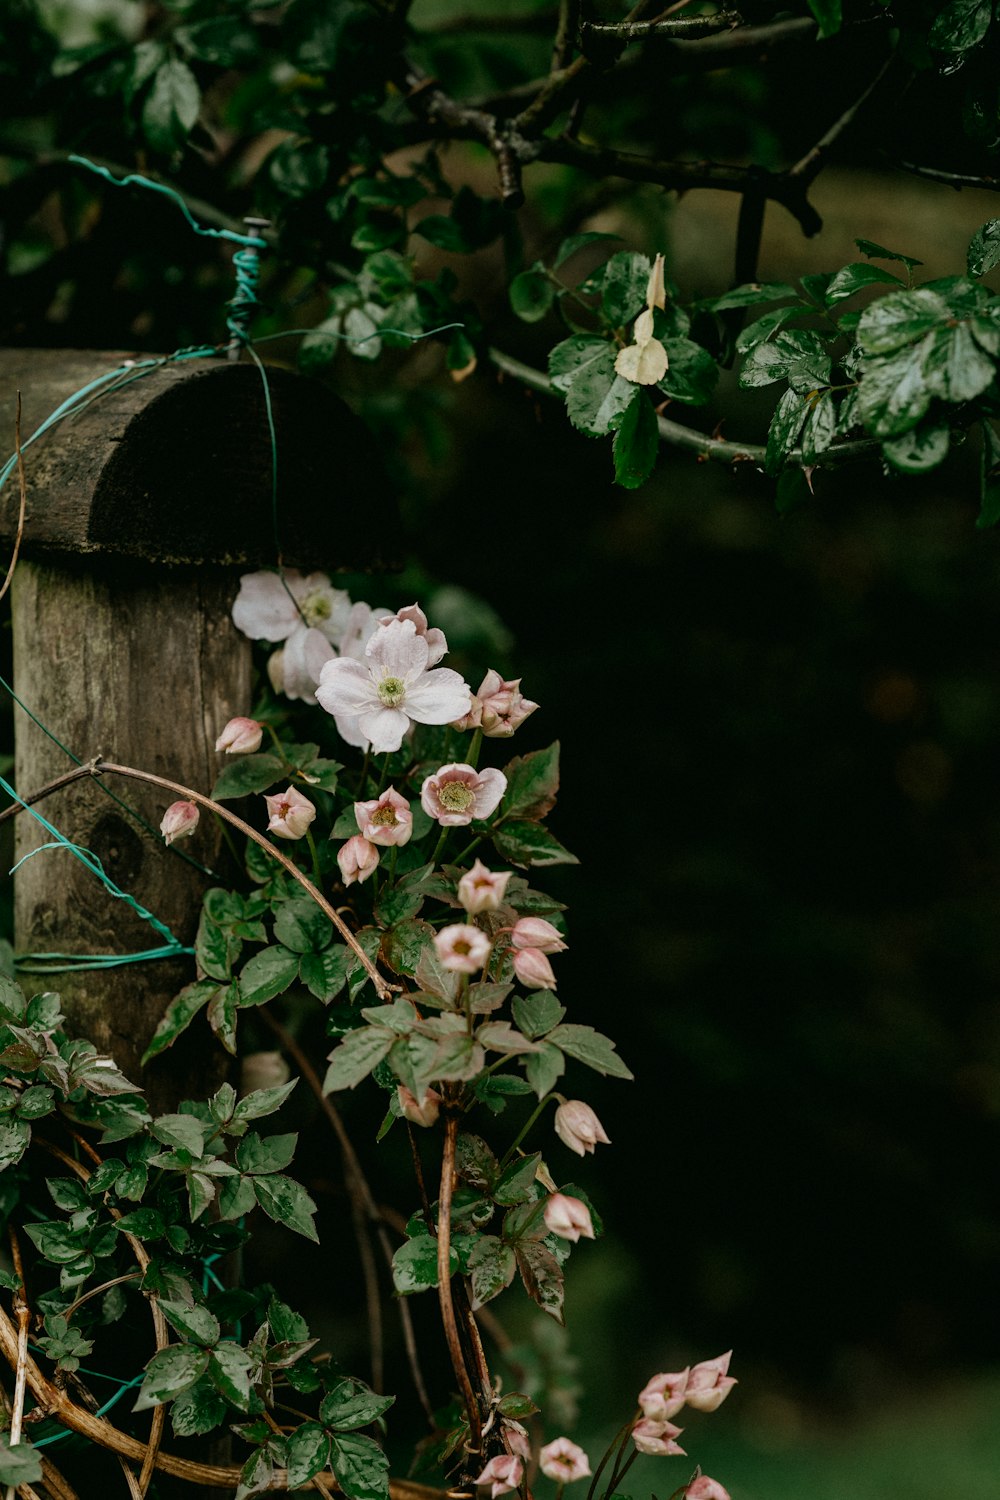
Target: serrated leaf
{"points": [[589, 1046], [544, 1068], [900, 319], [221, 1015], [491, 1268], [403, 945], [183, 1132], [20, 1463], [229, 1370], [197, 1410], [538, 1013], [256, 1155], [622, 282], [302, 927], [854, 278], [360, 1466], [984, 249], [356, 1056], [267, 974], [171, 106], [169, 1372], [307, 1452], [692, 373], [515, 1183], [542, 1277], [532, 783], [920, 450], [961, 25], [820, 427], [196, 1324], [263, 1102], [325, 974], [434, 978], [414, 1265], [598, 397], [786, 424], [790, 350], [15, 1137], [879, 252], [751, 294], [350, 1404], [288, 1203], [178, 1016], [574, 357], [525, 843], [143, 1223]]}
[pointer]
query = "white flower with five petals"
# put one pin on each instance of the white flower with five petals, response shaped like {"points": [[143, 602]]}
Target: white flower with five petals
{"points": [[392, 687]]}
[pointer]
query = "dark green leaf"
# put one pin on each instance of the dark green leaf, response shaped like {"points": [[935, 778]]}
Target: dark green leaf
{"points": [[197, 1410], [288, 1203], [597, 397], [15, 1136], [524, 843], [879, 252], [894, 392], [221, 1014], [853, 278], [356, 1056], [531, 295], [622, 283], [144, 1224], [984, 249], [247, 774], [636, 442], [350, 1404], [575, 242], [516, 1183], [692, 373], [434, 978], [302, 927], [403, 945], [414, 1265], [921, 449], [307, 1452], [169, 1372], [575, 356], [751, 294], [542, 1277], [179, 1016], [532, 783], [961, 25], [226, 41], [537, 1014], [268, 973], [263, 1102], [183, 1132], [361, 1468], [256, 1155], [828, 14], [171, 106], [229, 1369], [544, 1068], [901, 318], [820, 426], [325, 974], [588, 1046], [787, 351], [763, 327], [786, 424], [196, 1324]]}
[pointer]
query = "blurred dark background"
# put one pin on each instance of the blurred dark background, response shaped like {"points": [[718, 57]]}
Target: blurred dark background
{"points": [[780, 772]]}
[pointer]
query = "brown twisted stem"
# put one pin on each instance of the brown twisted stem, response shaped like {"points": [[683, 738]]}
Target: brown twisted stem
{"points": [[445, 1299]]}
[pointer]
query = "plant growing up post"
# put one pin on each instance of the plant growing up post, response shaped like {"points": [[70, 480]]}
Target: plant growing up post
{"points": [[138, 512]]}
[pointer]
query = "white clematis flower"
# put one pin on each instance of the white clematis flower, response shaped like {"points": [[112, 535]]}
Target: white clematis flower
{"points": [[392, 687], [271, 608]]}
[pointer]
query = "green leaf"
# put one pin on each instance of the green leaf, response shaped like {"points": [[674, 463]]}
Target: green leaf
{"points": [[921, 449], [692, 373], [636, 443], [900, 319], [961, 25], [622, 283], [516, 1182], [895, 393], [256, 1155], [20, 1464], [532, 783], [12, 1000], [491, 1268], [475, 1162], [537, 1014], [575, 242], [179, 1016], [307, 1452], [171, 106], [302, 927], [350, 1404], [589, 1046], [169, 1372], [216, 950], [222, 1015], [247, 774], [288, 1203], [229, 1369], [853, 278], [325, 974], [143, 1223], [542, 1277], [183, 1132], [828, 14], [270, 972], [196, 1324], [751, 294], [435, 979], [788, 352], [356, 1056], [226, 41], [525, 843], [763, 327], [262, 1102], [361, 1468], [403, 944], [597, 398], [786, 424], [820, 426], [989, 479], [414, 1265], [531, 295], [575, 356], [236, 1197], [984, 249], [879, 252], [15, 1137], [197, 1410], [544, 1068]]}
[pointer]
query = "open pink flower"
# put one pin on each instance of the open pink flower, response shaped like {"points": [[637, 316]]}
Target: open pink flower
{"points": [[392, 687], [568, 1218], [179, 821], [503, 1474], [272, 606], [289, 814], [663, 1397], [481, 890], [704, 1488], [535, 932], [563, 1461], [579, 1128], [240, 737], [462, 948], [457, 793], [425, 1113], [437, 645], [709, 1383], [658, 1439], [357, 860], [387, 820]]}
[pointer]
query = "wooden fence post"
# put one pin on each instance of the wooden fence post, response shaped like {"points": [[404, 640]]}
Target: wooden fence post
{"points": [[141, 514]]}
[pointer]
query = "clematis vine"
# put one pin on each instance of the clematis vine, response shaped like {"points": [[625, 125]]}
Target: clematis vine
{"points": [[709, 1383], [663, 1396], [392, 688], [498, 708], [304, 611]]}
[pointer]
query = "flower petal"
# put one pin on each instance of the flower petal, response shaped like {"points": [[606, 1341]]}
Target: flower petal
{"points": [[306, 653], [643, 364], [491, 787], [396, 650], [437, 697], [385, 728], [346, 687], [264, 609]]}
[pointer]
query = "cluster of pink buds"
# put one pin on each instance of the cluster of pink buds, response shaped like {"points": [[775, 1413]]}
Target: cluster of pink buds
{"points": [[498, 708], [703, 1387], [531, 939]]}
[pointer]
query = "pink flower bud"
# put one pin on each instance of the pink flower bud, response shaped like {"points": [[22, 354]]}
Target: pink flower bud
{"points": [[240, 737], [481, 890], [709, 1383], [385, 821], [563, 1461], [418, 1114], [704, 1488], [503, 1473], [516, 1438], [579, 1128], [457, 793], [533, 969], [502, 706], [289, 814], [179, 821], [462, 948], [357, 860], [657, 1438], [568, 1218], [535, 932], [663, 1397]]}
